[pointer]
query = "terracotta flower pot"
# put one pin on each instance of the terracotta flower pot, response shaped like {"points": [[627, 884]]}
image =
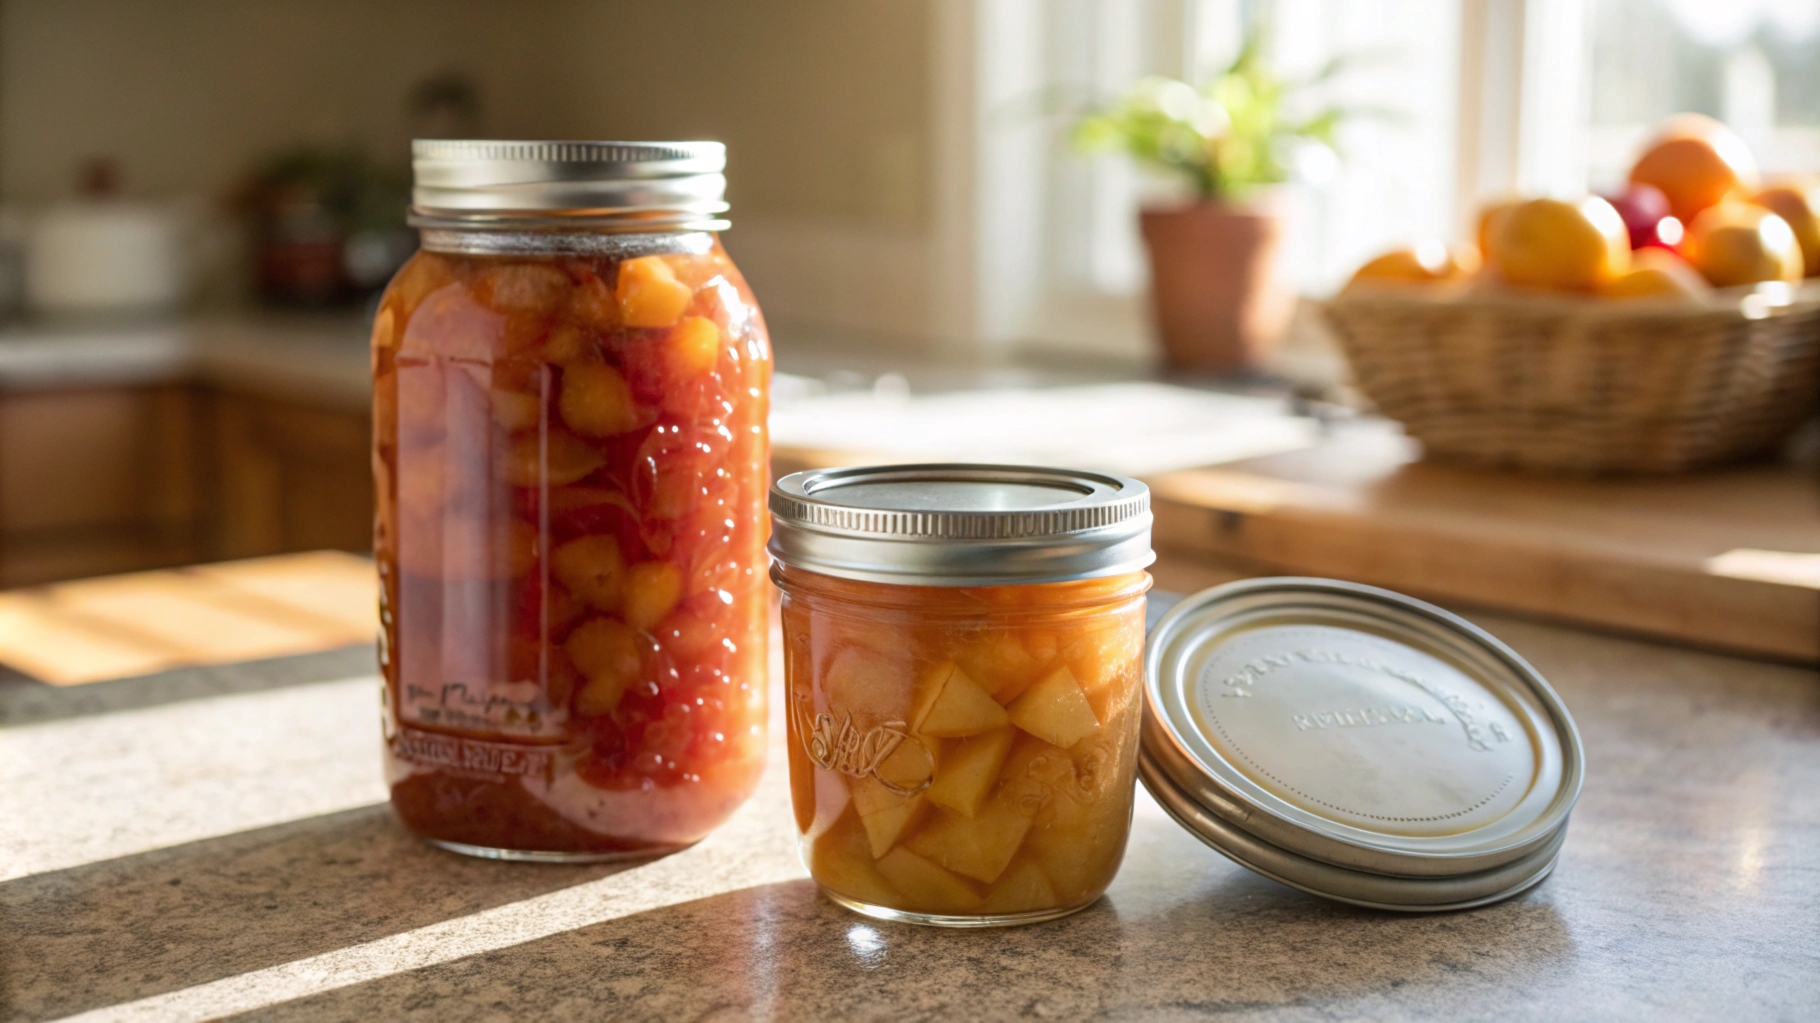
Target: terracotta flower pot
{"points": [[1216, 293]]}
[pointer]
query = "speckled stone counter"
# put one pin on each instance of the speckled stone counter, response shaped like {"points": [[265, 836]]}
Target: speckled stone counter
{"points": [[202, 849]]}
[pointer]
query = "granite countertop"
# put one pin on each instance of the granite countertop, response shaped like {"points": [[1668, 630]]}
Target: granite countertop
{"points": [[214, 843]]}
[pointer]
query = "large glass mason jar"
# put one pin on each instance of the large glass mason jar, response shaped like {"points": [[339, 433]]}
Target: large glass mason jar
{"points": [[570, 388], [963, 663]]}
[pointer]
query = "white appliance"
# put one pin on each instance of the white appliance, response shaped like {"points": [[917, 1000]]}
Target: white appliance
{"points": [[107, 255]]}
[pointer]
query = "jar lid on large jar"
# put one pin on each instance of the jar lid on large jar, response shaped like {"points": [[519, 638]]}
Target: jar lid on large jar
{"points": [[631, 186], [1352, 742]]}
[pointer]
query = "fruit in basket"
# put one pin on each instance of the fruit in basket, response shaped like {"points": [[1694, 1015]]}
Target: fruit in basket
{"points": [[1647, 216], [1798, 202], [1489, 216], [1737, 243], [1697, 163], [1569, 246], [1656, 273], [1423, 263]]}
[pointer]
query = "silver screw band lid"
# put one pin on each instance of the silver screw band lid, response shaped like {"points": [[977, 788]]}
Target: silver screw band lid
{"points": [[1357, 743], [960, 524], [518, 184]]}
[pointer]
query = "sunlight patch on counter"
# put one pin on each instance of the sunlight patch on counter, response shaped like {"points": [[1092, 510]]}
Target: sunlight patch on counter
{"points": [[1787, 568], [95, 788]]}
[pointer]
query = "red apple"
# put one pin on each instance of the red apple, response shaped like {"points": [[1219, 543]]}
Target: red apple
{"points": [[1644, 209]]}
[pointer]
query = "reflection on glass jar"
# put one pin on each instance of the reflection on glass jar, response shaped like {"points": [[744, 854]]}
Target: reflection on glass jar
{"points": [[570, 458], [962, 755]]}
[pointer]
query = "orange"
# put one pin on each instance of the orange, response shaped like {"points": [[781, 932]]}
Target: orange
{"points": [[1798, 202], [1656, 273], [1424, 262], [1737, 243], [1698, 163], [1489, 214], [1568, 246]]}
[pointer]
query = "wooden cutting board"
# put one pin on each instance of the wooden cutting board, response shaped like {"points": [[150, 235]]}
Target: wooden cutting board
{"points": [[121, 626], [1726, 559]]}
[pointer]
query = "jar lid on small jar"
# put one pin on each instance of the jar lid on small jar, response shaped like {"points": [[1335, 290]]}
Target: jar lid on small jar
{"points": [[959, 524], [1357, 744], [471, 183]]}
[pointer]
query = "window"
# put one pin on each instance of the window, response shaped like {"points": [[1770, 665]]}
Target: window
{"points": [[1489, 97]]}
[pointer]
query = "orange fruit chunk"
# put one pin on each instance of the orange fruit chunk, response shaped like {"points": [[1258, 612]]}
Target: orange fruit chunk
{"points": [[596, 401], [592, 569], [607, 653], [694, 344], [649, 293], [651, 592]]}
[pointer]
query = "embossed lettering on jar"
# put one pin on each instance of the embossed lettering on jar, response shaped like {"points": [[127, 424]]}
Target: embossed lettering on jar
{"points": [[963, 702], [570, 458]]}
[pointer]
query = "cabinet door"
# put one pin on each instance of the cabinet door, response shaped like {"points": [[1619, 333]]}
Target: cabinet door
{"points": [[291, 476], [95, 481]]}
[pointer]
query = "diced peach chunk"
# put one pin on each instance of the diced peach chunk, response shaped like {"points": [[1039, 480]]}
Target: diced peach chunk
{"points": [[516, 410], [607, 653], [1023, 888], [1103, 654], [1055, 710], [979, 846], [694, 344], [926, 887], [593, 304], [596, 401], [554, 458], [957, 706], [884, 813], [1081, 841], [873, 685], [649, 293], [593, 569], [526, 288], [911, 764], [841, 863], [968, 770], [566, 345], [651, 592]]}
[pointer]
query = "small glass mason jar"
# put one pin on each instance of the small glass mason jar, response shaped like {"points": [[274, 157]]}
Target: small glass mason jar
{"points": [[569, 449], [963, 665]]}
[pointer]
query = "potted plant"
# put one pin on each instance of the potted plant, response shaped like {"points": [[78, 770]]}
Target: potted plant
{"points": [[1218, 298]]}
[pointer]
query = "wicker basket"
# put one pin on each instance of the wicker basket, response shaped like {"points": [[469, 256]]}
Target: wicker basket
{"points": [[1581, 385]]}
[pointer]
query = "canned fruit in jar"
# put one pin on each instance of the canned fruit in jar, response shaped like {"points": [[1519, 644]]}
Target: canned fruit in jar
{"points": [[963, 751], [571, 465]]}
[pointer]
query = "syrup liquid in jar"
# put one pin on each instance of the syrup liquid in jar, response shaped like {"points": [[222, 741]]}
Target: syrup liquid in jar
{"points": [[570, 457]]}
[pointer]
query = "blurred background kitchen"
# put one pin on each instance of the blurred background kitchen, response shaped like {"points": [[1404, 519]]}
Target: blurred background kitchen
{"points": [[199, 198]]}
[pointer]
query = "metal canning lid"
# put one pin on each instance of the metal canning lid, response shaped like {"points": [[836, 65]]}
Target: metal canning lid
{"points": [[1357, 743], [497, 183], [958, 524]]}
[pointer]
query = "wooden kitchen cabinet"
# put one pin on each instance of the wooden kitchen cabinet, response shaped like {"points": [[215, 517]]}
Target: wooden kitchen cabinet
{"points": [[99, 480], [102, 480], [290, 476]]}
